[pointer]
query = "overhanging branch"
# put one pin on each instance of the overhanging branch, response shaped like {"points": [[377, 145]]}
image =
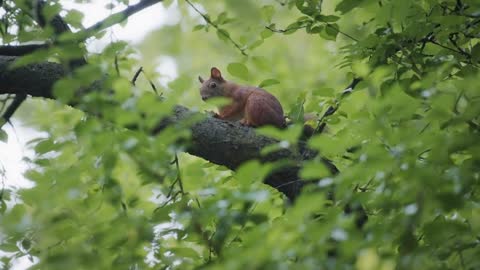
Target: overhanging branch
{"points": [[114, 19]]}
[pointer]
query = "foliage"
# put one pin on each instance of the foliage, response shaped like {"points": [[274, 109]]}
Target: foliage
{"points": [[406, 141]]}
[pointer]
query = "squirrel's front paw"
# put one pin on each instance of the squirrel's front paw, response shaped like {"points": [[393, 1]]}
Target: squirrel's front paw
{"points": [[244, 122]]}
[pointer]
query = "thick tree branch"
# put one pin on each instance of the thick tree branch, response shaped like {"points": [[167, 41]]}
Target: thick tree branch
{"points": [[221, 142], [19, 50], [35, 80]]}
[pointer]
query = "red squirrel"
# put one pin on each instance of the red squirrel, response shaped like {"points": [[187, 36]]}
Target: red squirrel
{"points": [[251, 105]]}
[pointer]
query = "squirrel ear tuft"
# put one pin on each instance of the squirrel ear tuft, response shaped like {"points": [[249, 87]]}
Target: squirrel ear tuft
{"points": [[215, 73], [201, 79]]}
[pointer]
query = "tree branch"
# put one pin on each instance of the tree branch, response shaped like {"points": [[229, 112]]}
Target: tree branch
{"points": [[12, 108], [221, 142], [19, 50], [114, 19]]}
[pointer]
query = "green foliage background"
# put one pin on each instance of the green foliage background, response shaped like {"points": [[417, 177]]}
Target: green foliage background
{"points": [[107, 197]]}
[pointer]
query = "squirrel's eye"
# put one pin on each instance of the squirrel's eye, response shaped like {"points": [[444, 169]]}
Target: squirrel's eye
{"points": [[213, 85]]}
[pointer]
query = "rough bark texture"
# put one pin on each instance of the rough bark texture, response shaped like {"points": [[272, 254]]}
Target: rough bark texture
{"points": [[35, 80], [221, 142]]}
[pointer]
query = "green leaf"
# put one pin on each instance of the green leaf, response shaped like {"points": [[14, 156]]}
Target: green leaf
{"points": [[180, 84], [45, 146], [289, 135], [74, 18], [261, 62], [476, 52], [267, 12], [64, 89], [324, 92], [330, 32], [314, 170], [223, 34], [309, 7], [3, 208], [199, 27], [297, 111], [3, 136], [221, 19], [251, 172], [347, 5], [255, 44], [266, 33], [326, 18], [167, 3], [268, 82], [238, 70]]}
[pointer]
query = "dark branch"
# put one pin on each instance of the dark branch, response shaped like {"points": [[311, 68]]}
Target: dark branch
{"points": [[35, 80], [12, 108], [19, 50], [57, 23], [59, 27], [135, 77], [114, 19]]}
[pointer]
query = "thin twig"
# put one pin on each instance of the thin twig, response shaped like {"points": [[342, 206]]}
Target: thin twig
{"points": [[341, 32], [12, 108], [304, 26], [450, 49], [249, 212], [117, 68], [284, 30], [333, 108], [135, 77], [179, 178], [207, 19], [453, 40]]}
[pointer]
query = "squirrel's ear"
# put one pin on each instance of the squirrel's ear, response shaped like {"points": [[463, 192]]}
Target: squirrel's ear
{"points": [[200, 79], [215, 73]]}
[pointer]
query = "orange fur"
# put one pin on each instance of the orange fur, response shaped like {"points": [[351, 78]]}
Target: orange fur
{"points": [[251, 105]]}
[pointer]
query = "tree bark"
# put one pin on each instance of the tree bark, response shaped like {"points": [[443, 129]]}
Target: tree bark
{"points": [[221, 142]]}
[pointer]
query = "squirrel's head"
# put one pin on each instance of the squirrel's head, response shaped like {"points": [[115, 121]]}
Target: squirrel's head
{"points": [[213, 87]]}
